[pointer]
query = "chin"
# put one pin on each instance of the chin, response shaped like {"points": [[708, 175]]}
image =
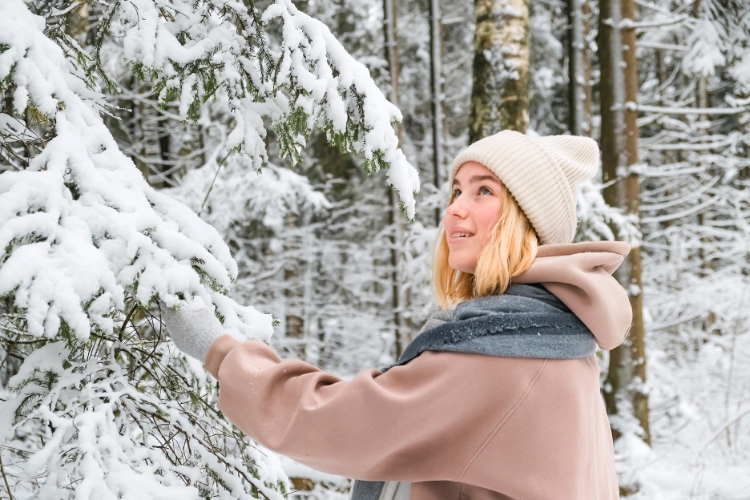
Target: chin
{"points": [[464, 267]]}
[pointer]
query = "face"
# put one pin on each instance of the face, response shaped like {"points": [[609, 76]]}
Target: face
{"points": [[472, 215]]}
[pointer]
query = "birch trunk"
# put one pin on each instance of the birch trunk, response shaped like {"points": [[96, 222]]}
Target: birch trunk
{"points": [[391, 55], [500, 89], [436, 84], [294, 326]]}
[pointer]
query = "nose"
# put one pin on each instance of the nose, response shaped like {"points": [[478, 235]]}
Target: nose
{"points": [[457, 209]]}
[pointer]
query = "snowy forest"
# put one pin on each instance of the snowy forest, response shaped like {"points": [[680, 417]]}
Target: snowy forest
{"points": [[287, 162]]}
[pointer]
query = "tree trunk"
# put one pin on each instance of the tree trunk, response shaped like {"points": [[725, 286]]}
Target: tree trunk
{"points": [[390, 30], [701, 101], [294, 326], [77, 22], [610, 94], [667, 156], [500, 89], [588, 97], [627, 364], [391, 54], [633, 206], [576, 81], [436, 84], [609, 129]]}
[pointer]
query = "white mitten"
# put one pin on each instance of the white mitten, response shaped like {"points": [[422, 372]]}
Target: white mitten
{"points": [[192, 332]]}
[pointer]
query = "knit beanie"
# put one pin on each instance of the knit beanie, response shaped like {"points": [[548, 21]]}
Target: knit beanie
{"points": [[542, 174]]}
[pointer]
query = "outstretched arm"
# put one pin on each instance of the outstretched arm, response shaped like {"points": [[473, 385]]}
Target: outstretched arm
{"points": [[422, 421]]}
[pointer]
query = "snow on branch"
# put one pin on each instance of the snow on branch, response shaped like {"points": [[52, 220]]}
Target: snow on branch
{"points": [[352, 105], [731, 139], [242, 195], [690, 111], [630, 24], [191, 51], [707, 49], [99, 407], [82, 425], [661, 46], [598, 221], [80, 227]]}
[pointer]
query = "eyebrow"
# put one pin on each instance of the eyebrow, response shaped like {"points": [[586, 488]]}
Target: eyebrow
{"points": [[479, 178]]}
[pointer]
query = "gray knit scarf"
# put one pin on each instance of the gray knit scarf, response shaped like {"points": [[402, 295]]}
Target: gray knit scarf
{"points": [[525, 322]]}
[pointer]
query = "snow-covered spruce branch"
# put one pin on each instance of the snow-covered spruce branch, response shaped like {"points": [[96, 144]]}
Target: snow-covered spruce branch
{"points": [[191, 51], [80, 226], [98, 408], [87, 425], [599, 221]]}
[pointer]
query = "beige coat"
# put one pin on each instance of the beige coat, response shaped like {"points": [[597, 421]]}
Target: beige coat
{"points": [[456, 426]]}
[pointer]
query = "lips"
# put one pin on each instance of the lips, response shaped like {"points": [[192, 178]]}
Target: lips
{"points": [[458, 233]]}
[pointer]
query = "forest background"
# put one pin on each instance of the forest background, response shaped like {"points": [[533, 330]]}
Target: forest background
{"points": [[117, 116]]}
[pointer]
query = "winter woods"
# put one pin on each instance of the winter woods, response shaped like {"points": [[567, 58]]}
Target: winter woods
{"points": [[216, 153], [90, 246]]}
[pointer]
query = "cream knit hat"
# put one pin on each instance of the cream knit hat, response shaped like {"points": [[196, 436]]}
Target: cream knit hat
{"points": [[542, 174]]}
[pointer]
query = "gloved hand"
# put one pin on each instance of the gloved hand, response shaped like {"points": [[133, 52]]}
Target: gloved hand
{"points": [[192, 332]]}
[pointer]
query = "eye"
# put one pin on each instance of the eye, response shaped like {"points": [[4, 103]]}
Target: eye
{"points": [[484, 190], [456, 194]]}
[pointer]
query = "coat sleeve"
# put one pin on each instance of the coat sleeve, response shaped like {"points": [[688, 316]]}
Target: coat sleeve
{"points": [[419, 422]]}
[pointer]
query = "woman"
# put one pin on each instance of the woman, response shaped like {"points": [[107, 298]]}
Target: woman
{"points": [[497, 399]]}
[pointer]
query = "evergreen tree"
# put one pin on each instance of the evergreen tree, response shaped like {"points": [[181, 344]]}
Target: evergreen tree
{"points": [[99, 407]]}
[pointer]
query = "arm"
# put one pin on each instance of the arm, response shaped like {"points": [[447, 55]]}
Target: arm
{"points": [[422, 421]]}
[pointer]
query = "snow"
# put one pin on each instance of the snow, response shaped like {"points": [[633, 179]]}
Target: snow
{"points": [[241, 192], [596, 219], [85, 238], [705, 49], [311, 73], [109, 441], [81, 227], [88, 243]]}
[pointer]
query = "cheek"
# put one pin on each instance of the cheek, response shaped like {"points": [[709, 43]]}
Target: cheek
{"points": [[487, 221]]}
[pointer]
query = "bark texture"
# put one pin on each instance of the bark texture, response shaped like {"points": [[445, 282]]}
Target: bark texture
{"points": [[608, 142], [391, 53], [576, 79], [588, 91], [294, 325], [436, 85], [626, 374], [580, 91], [639, 397], [609, 91], [500, 89]]}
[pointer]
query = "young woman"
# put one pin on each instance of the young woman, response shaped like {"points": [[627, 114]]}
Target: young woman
{"points": [[497, 399]]}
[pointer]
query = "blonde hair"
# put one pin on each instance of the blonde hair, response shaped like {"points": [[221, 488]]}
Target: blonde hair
{"points": [[511, 250]]}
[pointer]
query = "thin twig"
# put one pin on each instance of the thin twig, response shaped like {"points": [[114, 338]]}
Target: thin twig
{"points": [[5, 479], [125, 323], [722, 429], [210, 188]]}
